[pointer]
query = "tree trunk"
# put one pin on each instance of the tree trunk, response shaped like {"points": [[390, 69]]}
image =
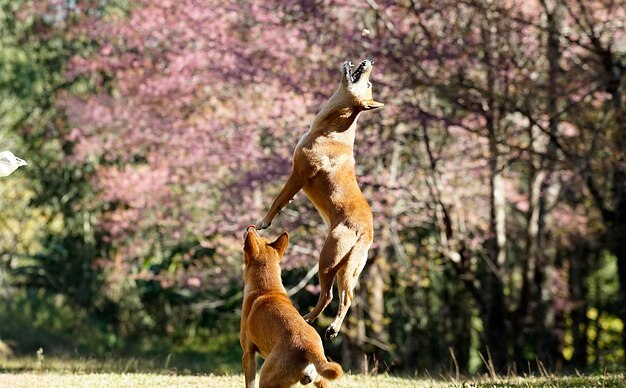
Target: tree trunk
{"points": [[353, 357], [614, 216], [531, 289], [496, 256], [378, 277], [620, 253], [617, 234], [614, 70], [496, 250], [459, 324], [366, 339], [544, 315], [453, 248], [578, 291]]}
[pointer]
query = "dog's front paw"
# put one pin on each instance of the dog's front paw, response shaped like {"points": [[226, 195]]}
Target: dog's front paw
{"points": [[330, 333], [263, 224]]}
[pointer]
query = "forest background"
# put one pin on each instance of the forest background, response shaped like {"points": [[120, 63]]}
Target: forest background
{"points": [[156, 131]]}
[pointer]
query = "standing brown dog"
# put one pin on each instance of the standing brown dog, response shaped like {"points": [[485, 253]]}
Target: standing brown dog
{"points": [[272, 326], [323, 166]]}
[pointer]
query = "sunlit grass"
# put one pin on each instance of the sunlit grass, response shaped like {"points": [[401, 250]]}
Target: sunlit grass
{"points": [[132, 372], [47, 379], [175, 365]]}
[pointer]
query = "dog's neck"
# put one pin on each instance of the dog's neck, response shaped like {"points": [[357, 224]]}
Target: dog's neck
{"points": [[337, 119], [266, 278]]}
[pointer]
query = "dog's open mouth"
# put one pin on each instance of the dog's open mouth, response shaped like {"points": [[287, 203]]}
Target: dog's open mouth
{"points": [[358, 72], [250, 229]]}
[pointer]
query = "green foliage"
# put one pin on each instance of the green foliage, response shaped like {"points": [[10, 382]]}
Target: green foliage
{"points": [[605, 328], [603, 283], [47, 245], [32, 319]]}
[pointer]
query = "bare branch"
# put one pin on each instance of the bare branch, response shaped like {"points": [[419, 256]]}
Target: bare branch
{"points": [[293, 290]]}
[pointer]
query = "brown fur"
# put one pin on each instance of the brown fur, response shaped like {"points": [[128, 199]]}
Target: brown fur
{"points": [[324, 167], [271, 325]]}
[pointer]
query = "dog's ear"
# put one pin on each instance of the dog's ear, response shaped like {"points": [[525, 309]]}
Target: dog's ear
{"points": [[371, 104], [250, 245], [281, 243]]}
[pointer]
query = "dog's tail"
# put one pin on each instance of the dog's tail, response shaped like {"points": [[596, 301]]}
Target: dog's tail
{"points": [[328, 369], [331, 370]]}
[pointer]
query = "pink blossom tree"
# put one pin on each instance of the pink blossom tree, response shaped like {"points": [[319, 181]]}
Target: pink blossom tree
{"points": [[469, 168]]}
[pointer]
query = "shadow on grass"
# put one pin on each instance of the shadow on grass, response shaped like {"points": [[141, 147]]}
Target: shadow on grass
{"points": [[185, 363]]}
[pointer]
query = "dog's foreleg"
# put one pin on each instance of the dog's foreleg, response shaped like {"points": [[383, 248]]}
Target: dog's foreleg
{"points": [[291, 188]]}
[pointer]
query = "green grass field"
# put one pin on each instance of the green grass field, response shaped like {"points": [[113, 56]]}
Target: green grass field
{"points": [[54, 379], [44, 372], [157, 380]]}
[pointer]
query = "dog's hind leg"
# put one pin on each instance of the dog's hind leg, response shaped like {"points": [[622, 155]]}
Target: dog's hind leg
{"points": [[336, 249], [281, 370], [249, 367], [347, 278]]}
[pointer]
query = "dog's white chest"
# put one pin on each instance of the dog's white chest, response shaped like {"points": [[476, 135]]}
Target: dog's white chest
{"points": [[332, 162], [325, 155]]}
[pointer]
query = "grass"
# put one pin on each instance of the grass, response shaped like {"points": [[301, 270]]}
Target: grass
{"points": [[155, 380], [40, 371], [55, 379]]}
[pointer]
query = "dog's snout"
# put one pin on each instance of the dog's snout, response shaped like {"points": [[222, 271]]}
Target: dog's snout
{"points": [[250, 229]]}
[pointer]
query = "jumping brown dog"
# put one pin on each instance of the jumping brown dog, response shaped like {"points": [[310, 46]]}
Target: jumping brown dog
{"points": [[324, 167], [271, 325]]}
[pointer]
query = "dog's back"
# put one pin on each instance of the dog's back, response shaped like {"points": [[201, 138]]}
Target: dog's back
{"points": [[272, 326], [274, 321]]}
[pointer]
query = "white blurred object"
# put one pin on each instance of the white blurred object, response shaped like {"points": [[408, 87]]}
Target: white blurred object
{"points": [[9, 163]]}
